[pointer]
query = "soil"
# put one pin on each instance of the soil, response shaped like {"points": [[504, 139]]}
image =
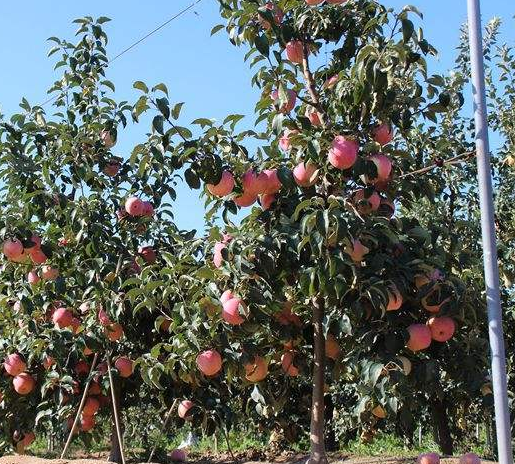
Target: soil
{"points": [[226, 459]]}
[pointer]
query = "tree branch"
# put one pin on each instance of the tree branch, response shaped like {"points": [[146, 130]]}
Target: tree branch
{"points": [[440, 163], [311, 87]]}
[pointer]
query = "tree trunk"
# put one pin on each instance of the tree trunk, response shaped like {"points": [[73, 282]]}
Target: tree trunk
{"points": [[330, 440], [441, 428], [115, 454], [316, 435]]}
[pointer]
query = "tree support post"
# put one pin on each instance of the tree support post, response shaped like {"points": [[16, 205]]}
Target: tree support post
{"points": [[81, 407], [316, 435], [495, 329]]}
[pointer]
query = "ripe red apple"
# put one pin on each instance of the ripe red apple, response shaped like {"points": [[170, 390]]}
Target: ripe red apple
{"points": [[420, 337], [331, 82], [36, 244], [284, 141], [184, 408], [62, 318], [49, 273], [82, 368], [336, 2], [87, 423], [231, 311], [305, 175], [257, 370], [107, 139], [470, 458], [428, 458], [103, 318], [13, 249], [383, 167], [178, 455], [289, 105], [394, 298], [314, 2], [253, 183], [287, 364], [23, 383], [278, 15], [94, 389], [224, 187], [226, 296], [294, 51], [366, 203], [245, 200], [148, 209], [148, 254], [48, 362], [332, 348], [442, 328], [209, 362], [383, 133], [91, 406], [14, 364], [356, 250], [314, 116], [112, 168], [272, 184], [114, 332], [266, 201], [37, 256], [134, 206], [343, 153], [217, 256], [125, 366]]}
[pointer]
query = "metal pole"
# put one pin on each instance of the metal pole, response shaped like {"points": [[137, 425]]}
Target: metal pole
{"points": [[495, 330]]}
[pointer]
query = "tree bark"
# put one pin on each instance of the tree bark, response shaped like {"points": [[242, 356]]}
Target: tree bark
{"points": [[441, 428], [115, 455], [330, 439], [316, 436]]}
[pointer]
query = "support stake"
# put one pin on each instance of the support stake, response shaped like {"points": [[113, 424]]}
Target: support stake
{"points": [[81, 407], [493, 299], [115, 409], [163, 427]]}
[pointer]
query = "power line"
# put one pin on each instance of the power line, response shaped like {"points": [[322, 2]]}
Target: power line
{"points": [[145, 37]]}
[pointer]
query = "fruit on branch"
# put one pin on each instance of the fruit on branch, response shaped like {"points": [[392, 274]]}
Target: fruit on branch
{"points": [[470, 458], [287, 365], [277, 13], [356, 250], [253, 183], [226, 296], [332, 348], [290, 103], [125, 366], [331, 82], [394, 298], [343, 152], [178, 455], [148, 254], [428, 458], [224, 187], [14, 364], [314, 2], [23, 383], [245, 200], [82, 368], [305, 174], [383, 133], [114, 332], [231, 311], [257, 370], [313, 115], [379, 412], [87, 423], [62, 318], [107, 139], [442, 328], [365, 201], [49, 273], [33, 278], [294, 51], [209, 362], [13, 249], [284, 141], [383, 167], [272, 184], [37, 256], [419, 337], [103, 318], [266, 200], [184, 408], [91, 406], [111, 169], [134, 206], [48, 362], [148, 209]]}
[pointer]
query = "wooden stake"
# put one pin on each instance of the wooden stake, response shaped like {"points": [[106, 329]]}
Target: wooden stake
{"points": [[81, 406], [163, 427], [115, 408]]}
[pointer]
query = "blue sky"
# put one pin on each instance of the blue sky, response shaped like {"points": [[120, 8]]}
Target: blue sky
{"points": [[205, 72]]}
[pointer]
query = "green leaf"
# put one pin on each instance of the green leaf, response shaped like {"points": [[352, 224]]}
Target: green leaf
{"points": [[192, 179], [163, 106], [262, 45], [217, 28], [162, 87], [157, 124], [407, 30], [176, 110], [140, 85]]}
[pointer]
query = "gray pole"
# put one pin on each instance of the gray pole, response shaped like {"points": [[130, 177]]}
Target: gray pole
{"points": [[502, 413]]}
